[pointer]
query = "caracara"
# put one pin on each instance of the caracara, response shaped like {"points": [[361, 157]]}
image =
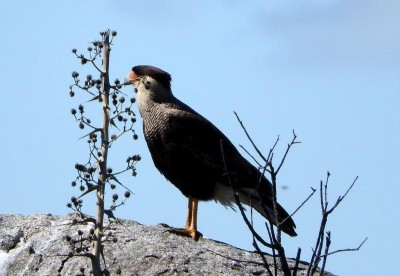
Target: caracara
{"points": [[196, 156]]}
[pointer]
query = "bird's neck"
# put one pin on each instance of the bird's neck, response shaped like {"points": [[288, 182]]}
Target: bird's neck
{"points": [[150, 94]]}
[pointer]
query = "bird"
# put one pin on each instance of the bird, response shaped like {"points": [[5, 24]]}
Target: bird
{"points": [[196, 157]]}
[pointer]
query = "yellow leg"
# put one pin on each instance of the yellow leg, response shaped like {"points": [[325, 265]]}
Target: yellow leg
{"points": [[190, 229], [190, 212]]}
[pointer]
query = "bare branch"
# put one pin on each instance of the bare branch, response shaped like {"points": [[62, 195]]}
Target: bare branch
{"points": [[271, 150], [252, 157], [316, 256], [347, 249], [266, 265], [328, 243], [328, 174], [342, 197], [95, 66], [321, 196], [248, 223], [287, 151], [269, 228], [296, 265], [251, 140], [300, 206], [237, 201]]}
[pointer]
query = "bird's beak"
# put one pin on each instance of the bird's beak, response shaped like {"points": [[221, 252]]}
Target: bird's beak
{"points": [[131, 78]]}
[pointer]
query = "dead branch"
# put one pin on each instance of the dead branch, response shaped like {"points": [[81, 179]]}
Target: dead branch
{"points": [[266, 265], [300, 206], [347, 249], [237, 201], [296, 265], [252, 157], [324, 258], [287, 151], [317, 256], [248, 137]]}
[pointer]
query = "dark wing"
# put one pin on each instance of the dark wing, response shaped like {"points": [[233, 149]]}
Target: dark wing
{"points": [[188, 153]]}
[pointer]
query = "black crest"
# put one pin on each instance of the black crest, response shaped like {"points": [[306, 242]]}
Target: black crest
{"points": [[156, 73]]}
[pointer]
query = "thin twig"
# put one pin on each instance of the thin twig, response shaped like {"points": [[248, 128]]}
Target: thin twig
{"points": [[252, 157], [319, 243], [340, 198], [348, 249], [237, 201], [324, 258], [269, 230], [266, 265], [328, 174], [287, 151], [271, 150], [268, 225], [316, 256], [296, 264], [275, 205], [95, 66], [248, 223], [301, 205], [248, 136]]}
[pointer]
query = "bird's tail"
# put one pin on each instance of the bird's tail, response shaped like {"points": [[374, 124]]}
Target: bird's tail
{"points": [[266, 209]]}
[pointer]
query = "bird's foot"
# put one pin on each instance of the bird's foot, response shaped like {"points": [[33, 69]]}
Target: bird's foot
{"points": [[192, 233]]}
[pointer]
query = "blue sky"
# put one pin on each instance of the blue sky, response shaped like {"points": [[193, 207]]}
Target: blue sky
{"points": [[327, 69]]}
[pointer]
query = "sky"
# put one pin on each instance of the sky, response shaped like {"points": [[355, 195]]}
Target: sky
{"points": [[329, 70]]}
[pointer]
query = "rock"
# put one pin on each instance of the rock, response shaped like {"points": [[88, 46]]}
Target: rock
{"points": [[10, 240], [37, 245]]}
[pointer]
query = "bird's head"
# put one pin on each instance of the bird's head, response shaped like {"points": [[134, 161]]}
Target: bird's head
{"points": [[150, 81]]}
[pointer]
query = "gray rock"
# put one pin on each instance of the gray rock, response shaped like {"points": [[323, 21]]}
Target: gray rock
{"points": [[36, 245]]}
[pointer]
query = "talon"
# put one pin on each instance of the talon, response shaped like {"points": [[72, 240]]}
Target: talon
{"points": [[190, 229], [192, 233]]}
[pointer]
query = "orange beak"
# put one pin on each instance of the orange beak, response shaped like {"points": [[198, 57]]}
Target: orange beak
{"points": [[131, 78]]}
